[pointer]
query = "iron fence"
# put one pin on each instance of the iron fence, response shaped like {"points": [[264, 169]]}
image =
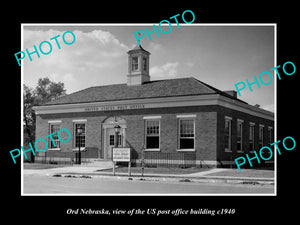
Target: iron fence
{"points": [[165, 159], [63, 158]]}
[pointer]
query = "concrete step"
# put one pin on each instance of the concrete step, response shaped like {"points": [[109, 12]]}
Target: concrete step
{"points": [[101, 163]]}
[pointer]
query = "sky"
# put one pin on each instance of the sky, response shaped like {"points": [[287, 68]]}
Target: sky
{"points": [[219, 55]]}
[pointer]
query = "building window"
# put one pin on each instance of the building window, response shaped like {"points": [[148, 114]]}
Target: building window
{"points": [[271, 135], [112, 140], [54, 128], [135, 63], [144, 64], [186, 133], [251, 137], [120, 140], [80, 138], [227, 133], [152, 134], [261, 136], [239, 141]]}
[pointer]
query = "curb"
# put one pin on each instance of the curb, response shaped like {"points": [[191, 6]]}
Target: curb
{"points": [[178, 178]]}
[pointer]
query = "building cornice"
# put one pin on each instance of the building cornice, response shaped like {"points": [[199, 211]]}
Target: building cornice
{"points": [[165, 102], [242, 107]]}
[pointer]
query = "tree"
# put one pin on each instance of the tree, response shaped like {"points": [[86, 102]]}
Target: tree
{"points": [[45, 91], [28, 114]]}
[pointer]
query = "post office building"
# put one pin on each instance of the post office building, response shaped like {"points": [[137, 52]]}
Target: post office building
{"points": [[174, 122]]}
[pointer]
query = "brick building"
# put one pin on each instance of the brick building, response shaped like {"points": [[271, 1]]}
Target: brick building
{"points": [[176, 122]]}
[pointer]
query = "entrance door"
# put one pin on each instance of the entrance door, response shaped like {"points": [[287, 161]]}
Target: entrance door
{"points": [[109, 134], [110, 141]]}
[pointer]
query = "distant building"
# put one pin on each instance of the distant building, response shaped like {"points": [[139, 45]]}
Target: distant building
{"points": [[176, 122]]}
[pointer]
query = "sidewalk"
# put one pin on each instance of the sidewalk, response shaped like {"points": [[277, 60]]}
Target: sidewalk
{"points": [[198, 177], [204, 176]]}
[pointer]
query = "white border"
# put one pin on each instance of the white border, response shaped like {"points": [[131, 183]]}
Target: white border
{"points": [[151, 24], [22, 112]]}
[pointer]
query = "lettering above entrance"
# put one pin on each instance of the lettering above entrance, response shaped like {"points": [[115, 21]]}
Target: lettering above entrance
{"points": [[114, 107]]}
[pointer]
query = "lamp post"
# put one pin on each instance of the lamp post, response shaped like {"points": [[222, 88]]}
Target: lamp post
{"points": [[79, 132], [117, 131]]}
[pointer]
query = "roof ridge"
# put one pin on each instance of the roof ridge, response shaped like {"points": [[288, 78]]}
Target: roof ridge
{"points": [[207, 85], [181, 78], [146, 82], [218, 91]]}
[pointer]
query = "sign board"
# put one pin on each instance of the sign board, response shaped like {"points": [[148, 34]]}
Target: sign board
{"points": [[121, 154], [114, 107]]}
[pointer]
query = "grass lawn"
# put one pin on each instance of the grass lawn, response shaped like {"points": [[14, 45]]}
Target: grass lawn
{"points": [[38, 166], [245, 173], [158, 170]]}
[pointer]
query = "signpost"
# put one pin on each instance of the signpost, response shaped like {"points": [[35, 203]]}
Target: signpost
{"points": [[122, 155]]}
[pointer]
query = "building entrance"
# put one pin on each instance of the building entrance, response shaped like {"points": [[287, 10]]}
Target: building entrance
{"points": [[109, 135]]}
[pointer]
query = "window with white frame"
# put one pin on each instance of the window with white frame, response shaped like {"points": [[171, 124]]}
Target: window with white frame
{"points": [[112, 140], [79, 137], [271, 135], [186, 133], [54, 143], [144, 64], [152, 133], [239, 141], [227, 133], [135, 63], [261, 136], [270, 139], [251, 136]]}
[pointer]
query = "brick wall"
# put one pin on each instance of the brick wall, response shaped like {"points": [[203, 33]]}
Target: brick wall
{"points": [[224, 157], [205, 141], [206, 136], [209, 130]]}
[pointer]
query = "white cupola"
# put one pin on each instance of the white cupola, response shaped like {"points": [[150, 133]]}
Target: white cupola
{"points": [[138, 66]]}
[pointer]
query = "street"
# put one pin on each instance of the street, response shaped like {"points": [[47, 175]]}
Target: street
{"points": [[43, 184]]}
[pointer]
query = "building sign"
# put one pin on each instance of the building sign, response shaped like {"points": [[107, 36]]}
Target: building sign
{"points": [[114, 107], [121, 154]]}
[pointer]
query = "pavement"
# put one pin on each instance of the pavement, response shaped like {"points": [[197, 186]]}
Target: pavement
{"points": [[93, 172]]}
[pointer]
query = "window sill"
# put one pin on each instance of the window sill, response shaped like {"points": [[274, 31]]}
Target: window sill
{"points": [[185, 150], [240, 151], [227, 150], [54, 149], [152, 150]]}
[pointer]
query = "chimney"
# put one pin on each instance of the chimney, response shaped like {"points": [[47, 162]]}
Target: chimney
{"points": [[233, 93]]}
